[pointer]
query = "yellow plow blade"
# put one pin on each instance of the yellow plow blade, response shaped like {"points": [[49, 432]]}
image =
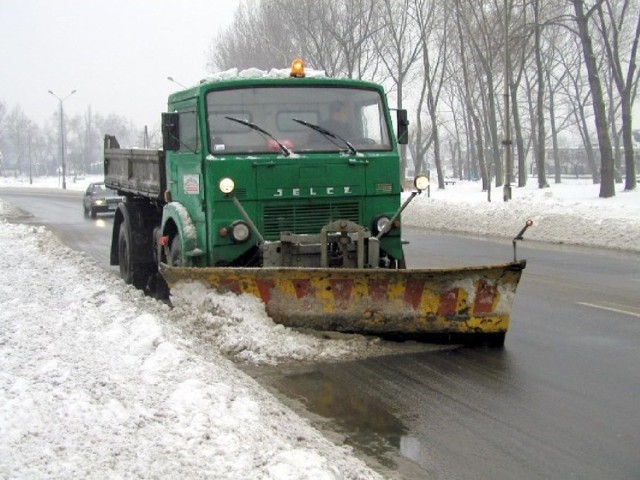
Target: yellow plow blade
{"points": [[461, 305]]}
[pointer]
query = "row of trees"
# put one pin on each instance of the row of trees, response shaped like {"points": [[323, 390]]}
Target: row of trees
{"points": [[30, 149], [565, 70]]}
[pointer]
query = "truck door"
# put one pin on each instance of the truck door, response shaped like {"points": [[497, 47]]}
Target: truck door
{"points": [[185, 166]]}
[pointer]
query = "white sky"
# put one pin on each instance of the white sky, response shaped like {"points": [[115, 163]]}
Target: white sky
{"points": [[117, 54]]}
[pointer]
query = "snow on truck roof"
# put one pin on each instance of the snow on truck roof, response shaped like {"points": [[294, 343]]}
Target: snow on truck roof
{"points": [[234, 73]]}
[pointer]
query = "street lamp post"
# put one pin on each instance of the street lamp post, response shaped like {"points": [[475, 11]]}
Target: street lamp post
{"points": [[64, 173], [171, 79]]}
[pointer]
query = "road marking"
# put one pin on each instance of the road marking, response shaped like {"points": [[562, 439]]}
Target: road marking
{"points": [[616, 310]]}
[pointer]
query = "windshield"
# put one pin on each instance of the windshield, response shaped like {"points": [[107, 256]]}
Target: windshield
{"points": [[100, 189], [289, 114]]}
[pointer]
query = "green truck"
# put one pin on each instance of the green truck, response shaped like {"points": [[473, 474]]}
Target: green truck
{"points": [[286, 185]]}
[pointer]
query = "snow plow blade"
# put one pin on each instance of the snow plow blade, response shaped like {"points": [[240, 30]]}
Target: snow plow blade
{"points": [[469, 305]]}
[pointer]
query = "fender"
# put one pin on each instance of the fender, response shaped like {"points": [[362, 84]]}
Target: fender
{"points": [[176, 214]]}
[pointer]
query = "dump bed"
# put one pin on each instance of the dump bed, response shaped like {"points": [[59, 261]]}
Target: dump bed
{"points": [[134, 171]]}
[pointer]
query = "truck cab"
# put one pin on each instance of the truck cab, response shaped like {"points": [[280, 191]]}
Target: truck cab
{"points": [[257, 164]]}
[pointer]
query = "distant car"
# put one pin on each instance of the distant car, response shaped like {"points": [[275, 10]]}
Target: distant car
{"points": [[100, 199]]}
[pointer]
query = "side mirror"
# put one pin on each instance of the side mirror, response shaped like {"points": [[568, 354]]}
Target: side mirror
{"points": [[403, 127], [170, 132]]}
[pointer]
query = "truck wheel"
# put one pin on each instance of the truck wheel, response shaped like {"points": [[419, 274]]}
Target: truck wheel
{"points": [[124, 255], [175, 253], [131, 273]]}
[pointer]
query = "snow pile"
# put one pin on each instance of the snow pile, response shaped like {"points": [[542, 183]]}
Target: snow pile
{"points": [[569, 213], [240, 328], [95, 382]]}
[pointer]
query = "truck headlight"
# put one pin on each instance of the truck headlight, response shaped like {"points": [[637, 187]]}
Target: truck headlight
{"points": [[421, 182], [226, 185], [380, 222], [240, 231]]}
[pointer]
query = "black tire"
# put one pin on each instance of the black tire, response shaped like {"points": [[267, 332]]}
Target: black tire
{"points": [[94, 214], [84, 210], [175, 252], [124, 255], [132, 273]]}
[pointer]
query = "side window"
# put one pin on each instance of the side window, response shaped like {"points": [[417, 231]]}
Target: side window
{"points": [[189, 136]]}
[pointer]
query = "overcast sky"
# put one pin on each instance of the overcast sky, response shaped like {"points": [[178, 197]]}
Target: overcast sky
{"points": [[117, 54]]}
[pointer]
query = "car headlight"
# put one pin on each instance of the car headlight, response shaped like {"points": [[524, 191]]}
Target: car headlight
{"points": [[240, 231], [226, 185], [380, 223], [99, 201], [421, 182]]}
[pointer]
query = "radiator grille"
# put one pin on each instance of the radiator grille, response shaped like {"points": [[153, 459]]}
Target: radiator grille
{"points": [[306, 219]]}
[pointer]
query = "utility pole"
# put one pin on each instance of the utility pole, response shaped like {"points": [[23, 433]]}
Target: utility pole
{"points": [[64, 167]]}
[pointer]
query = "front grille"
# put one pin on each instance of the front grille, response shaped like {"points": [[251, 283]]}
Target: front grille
{"points": [[305, 219]]}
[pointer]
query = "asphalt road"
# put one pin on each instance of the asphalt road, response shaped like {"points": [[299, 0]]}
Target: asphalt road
{"points": [[560, 400]]}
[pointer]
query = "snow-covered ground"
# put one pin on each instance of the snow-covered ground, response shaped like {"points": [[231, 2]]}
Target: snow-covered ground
{"points": [[98, 381], [569, 213]]}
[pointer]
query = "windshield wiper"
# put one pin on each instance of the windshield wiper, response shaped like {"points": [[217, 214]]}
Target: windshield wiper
{"points": [[329, 134], [285, 151]]}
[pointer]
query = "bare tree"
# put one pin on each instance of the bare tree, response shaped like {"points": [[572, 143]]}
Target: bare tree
{"points": [[433, 23], [17, 126], [482, 24], [575, 88], [474, 126], [3, 111], [313, 39], [335, 36], [582, 17], [32, 134], [398, 50], [253, 39], [541, 136], [619, 24], [353, 23], [520, 49]]}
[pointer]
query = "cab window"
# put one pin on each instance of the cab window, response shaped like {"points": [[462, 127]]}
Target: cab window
{"points": [[189, 137]]}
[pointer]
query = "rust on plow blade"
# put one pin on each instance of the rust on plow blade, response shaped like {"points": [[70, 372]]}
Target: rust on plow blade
{"points": [[460, 305]]}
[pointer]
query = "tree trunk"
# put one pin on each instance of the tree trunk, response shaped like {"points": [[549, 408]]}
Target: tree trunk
{"points": [[630, 181], [517, 128], [607, 181], [541, 134]]}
